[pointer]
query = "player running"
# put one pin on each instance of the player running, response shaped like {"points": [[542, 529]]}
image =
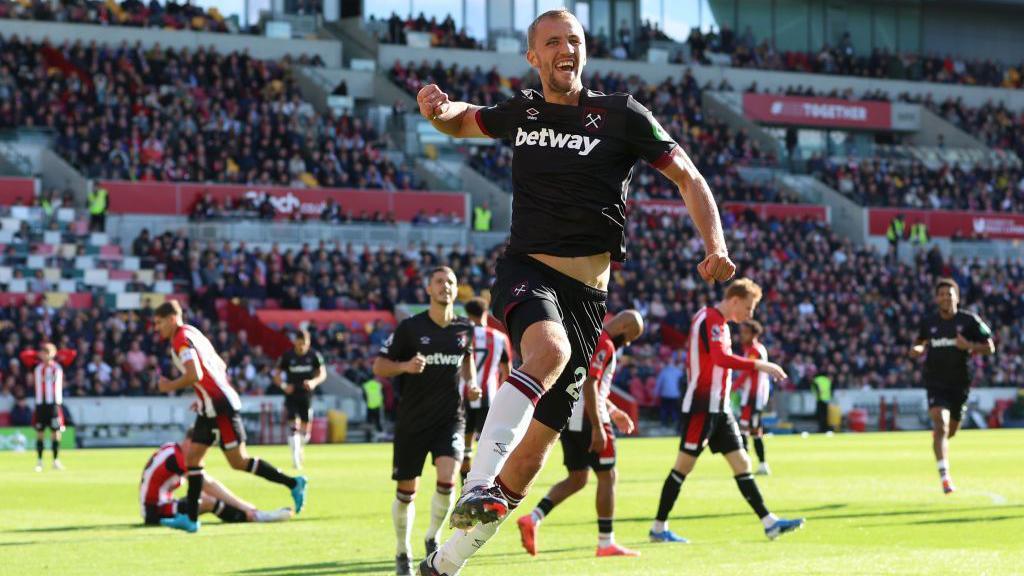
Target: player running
{"points": [[707, 416], [588, 442], [48, 378], [755, 388], [430, 357], [218, 418], [574, 154], [299, 371], [949, 339], [162, 476], [491, 352]]}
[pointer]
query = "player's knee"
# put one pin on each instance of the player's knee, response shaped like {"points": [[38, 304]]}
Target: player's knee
{"points": [[549, 357], [578, 480], [607, 477]]}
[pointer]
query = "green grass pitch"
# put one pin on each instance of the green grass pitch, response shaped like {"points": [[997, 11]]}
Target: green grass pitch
{"points": [[873, 506]]}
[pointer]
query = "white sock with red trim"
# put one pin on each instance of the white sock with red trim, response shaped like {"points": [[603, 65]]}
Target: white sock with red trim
{"points": [[507, 420]]}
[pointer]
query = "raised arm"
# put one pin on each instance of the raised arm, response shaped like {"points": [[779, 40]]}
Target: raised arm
{"points": [[456, 119]]}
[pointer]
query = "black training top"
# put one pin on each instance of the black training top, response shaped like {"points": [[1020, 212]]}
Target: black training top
{"points": [[297, 368], [571, 168], [945, 366], [431, 397]]}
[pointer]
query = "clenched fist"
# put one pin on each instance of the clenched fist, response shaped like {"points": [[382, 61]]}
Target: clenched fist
{"points": [[716, 267], [432, 101]]}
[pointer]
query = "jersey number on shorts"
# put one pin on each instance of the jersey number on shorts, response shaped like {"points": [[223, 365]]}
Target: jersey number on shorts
{"points": [[574, 387]]}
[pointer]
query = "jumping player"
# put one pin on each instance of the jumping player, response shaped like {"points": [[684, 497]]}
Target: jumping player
{"points": [[299, 371], [218, 418], [491, 351], [574, 154], [48, 377], [162, 476], [949, 338], [707, 416], [588, 442], [755, 388], [430, 357]]}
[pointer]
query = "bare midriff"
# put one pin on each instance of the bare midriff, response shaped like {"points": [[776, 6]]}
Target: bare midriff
{"points": [[593, 270]]}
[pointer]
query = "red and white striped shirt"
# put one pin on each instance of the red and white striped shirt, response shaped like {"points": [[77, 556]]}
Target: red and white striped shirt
{"points": [[216, 396], [602, 369], [754, 385], [161, 476], [492, 350], [711, 363], [49, 380]]}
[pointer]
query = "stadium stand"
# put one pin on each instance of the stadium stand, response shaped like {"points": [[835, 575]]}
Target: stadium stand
{"points": [[135, 13]]}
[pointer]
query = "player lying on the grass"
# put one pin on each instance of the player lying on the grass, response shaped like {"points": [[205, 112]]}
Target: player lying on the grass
{"points": [[588, 442], [299, 371], [48, 378], [162, 476], [949, 338], [574, 152], [491, 351], [218, 418], [755, 387], [430, 358], [707, 415]]}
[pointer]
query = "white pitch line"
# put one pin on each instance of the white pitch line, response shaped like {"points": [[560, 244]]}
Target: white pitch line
{"points": [[997, 499]]}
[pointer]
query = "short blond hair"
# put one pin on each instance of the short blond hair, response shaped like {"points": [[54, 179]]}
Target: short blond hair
{"points": [[556, 13], [743, 288]]}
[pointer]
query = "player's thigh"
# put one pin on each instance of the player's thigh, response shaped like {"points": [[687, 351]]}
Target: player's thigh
{"points": [[724, 436], [545, 345], [940, 417], [196, 454]]}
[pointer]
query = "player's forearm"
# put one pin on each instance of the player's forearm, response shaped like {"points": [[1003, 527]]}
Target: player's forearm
{"points": [[590, 401], [175, 385], [450, 122], [700, 203], [726, 360], [318, 379], [385, 368], [983, 348]]}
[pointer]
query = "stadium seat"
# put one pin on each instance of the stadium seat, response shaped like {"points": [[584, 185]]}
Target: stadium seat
{"points": [[51, 238], [56, 299], [163, 287], [96, 277], [144, 277], [17, 285], [123, 275], [98, 239], [67, 285], [36, 262], [6, 273], [130, 263], [128, 301], [52, 274], [65, 215], [85, 262]]}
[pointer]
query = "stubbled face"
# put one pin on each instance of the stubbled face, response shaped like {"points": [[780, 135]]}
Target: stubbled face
{"points": [[301, 345], [559, 53], [742, 309], [442, 288], [164, 326], [947, 299]]}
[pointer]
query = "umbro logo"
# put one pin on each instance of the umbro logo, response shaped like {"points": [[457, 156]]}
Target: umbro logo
{"points": [[500, 448], [528, 94], [532, 113], [424, 340]]}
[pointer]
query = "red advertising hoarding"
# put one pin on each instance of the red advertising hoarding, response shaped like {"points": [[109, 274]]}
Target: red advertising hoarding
{"points": [[14, 189], [178, 199], [811, 111], [762, 209], [945, 223]]}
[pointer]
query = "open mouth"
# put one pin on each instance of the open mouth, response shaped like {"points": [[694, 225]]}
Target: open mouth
{"points": [[567, 65]]}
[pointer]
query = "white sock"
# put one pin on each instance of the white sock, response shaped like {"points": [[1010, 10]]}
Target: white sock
{"points": [[605, 539], [440, 504], [943, 466], [296, 444], [538, 516], [452, 556], [769, 520], [403, 513], [507, 420], [659, 526]]}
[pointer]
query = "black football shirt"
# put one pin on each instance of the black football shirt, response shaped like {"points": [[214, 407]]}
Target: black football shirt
{"points": [[297, 368], [431, 397], [945, 365], [571, 167]]}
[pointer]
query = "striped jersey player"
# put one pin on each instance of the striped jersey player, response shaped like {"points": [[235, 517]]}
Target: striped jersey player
{"points": [[707, 415], [588, 442], [48, 380], [493, 355], [218, 419], [162, 476], [755, 388]]}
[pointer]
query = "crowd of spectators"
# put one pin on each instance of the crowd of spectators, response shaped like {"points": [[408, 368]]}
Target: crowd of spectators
{"points": [[170, 15], [443, 34], [130, 113], [881, 182], [830, 306]]}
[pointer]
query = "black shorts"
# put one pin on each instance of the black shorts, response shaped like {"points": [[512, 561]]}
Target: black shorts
{"points": [[717, 431], [953, 400], [225, 429], [475, 418], [411, 448], [153, 513], [750, 420], [48, 416], [298, 406], [576, 454], [525, 292]]}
